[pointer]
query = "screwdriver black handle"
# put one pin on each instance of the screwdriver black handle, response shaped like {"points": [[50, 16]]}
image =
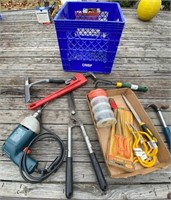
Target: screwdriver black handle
{"points": [[99, 174], [167, 134], [69, 178], [146, 129], [51, 80]]}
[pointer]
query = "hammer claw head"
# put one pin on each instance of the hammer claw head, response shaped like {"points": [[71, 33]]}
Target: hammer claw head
{"points": [[90, 74], [157, 107], [27, 90], [166, 106], [154, 106]]}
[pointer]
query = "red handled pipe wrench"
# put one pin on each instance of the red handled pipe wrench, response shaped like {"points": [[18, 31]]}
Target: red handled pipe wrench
{"points": [[77, 81]]}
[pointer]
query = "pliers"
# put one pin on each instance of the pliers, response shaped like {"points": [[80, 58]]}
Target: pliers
{"points": [[76, 122]]}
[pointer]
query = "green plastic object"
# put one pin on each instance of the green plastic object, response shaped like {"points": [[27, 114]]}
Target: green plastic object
{"points": [[132, 86]]}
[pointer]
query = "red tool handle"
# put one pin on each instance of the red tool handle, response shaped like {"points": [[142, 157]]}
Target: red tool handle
{"points": [[76, 82]]}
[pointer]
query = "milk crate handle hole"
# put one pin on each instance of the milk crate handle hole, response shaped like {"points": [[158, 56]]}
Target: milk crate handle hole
{"points": [[88, 14], [91, 11]]}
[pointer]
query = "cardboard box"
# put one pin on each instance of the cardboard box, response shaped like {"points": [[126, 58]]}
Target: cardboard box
{"points": [[163, 156]]}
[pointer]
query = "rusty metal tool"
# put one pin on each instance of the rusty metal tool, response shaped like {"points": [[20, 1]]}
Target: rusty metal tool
{"points": [[75, 121], [166, 129]]}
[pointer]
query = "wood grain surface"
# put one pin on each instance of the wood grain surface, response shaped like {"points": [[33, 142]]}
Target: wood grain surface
{"points": [[30, 49]]}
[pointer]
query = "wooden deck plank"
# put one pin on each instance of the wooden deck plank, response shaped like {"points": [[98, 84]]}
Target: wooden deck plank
{"points": [[86, 191], [29, 48], [83, 173]]}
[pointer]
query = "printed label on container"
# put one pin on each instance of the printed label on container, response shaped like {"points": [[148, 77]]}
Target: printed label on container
{"points": [[143, 156], [152, 144], [86, 65], [134, 87], [138, 152]]}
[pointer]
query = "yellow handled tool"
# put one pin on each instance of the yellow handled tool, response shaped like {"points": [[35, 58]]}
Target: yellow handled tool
{"points": [[142, 124]]}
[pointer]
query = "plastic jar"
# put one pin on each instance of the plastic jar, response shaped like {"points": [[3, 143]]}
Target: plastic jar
{"points": [[101, 108], [98, 99], [104, 118]]}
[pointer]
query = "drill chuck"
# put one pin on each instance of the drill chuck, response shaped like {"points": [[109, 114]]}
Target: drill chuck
{"points": [[32, 124]]}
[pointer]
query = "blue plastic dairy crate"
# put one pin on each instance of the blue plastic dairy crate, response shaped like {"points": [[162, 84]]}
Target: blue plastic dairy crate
{"points": [[88, 35]]}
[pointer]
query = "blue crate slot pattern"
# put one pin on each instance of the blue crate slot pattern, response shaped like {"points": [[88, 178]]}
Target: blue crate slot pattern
{"points": [[88, 35], [87, 56], [87, 44]]}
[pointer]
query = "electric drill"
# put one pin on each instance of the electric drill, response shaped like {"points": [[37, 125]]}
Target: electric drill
{"points": [[22, 135]]}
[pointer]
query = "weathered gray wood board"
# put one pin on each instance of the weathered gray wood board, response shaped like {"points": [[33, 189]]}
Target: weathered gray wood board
{"points": [[29, 48]]}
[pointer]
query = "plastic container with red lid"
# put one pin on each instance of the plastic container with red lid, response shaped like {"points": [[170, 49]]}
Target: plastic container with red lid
{"points": [[101, 108]]}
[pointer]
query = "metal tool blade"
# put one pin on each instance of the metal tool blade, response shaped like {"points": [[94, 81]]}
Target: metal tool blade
{"points": [[132, 109], [27, 90], [71, 103]]}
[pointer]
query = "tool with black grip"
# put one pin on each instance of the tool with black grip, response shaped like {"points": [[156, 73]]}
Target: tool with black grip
{"points": [[142, 124], [75, 121]]}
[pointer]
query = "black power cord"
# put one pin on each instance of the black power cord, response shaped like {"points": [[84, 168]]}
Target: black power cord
{"points": [[52, 168]]}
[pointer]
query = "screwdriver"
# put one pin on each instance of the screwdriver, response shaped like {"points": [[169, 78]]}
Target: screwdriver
{"points": [[134, 87], [142, 124], [118, 140], [122, 146], [127, 144], [131, 86]]}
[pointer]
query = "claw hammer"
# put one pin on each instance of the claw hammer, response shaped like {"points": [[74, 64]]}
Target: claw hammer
{"points": [[166, 129]]}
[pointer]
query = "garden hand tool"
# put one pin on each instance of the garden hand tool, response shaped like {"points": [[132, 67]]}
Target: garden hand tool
{"points": [[69, 165], [121, 85], [166, 129], [28, 85], [75, 121]]}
